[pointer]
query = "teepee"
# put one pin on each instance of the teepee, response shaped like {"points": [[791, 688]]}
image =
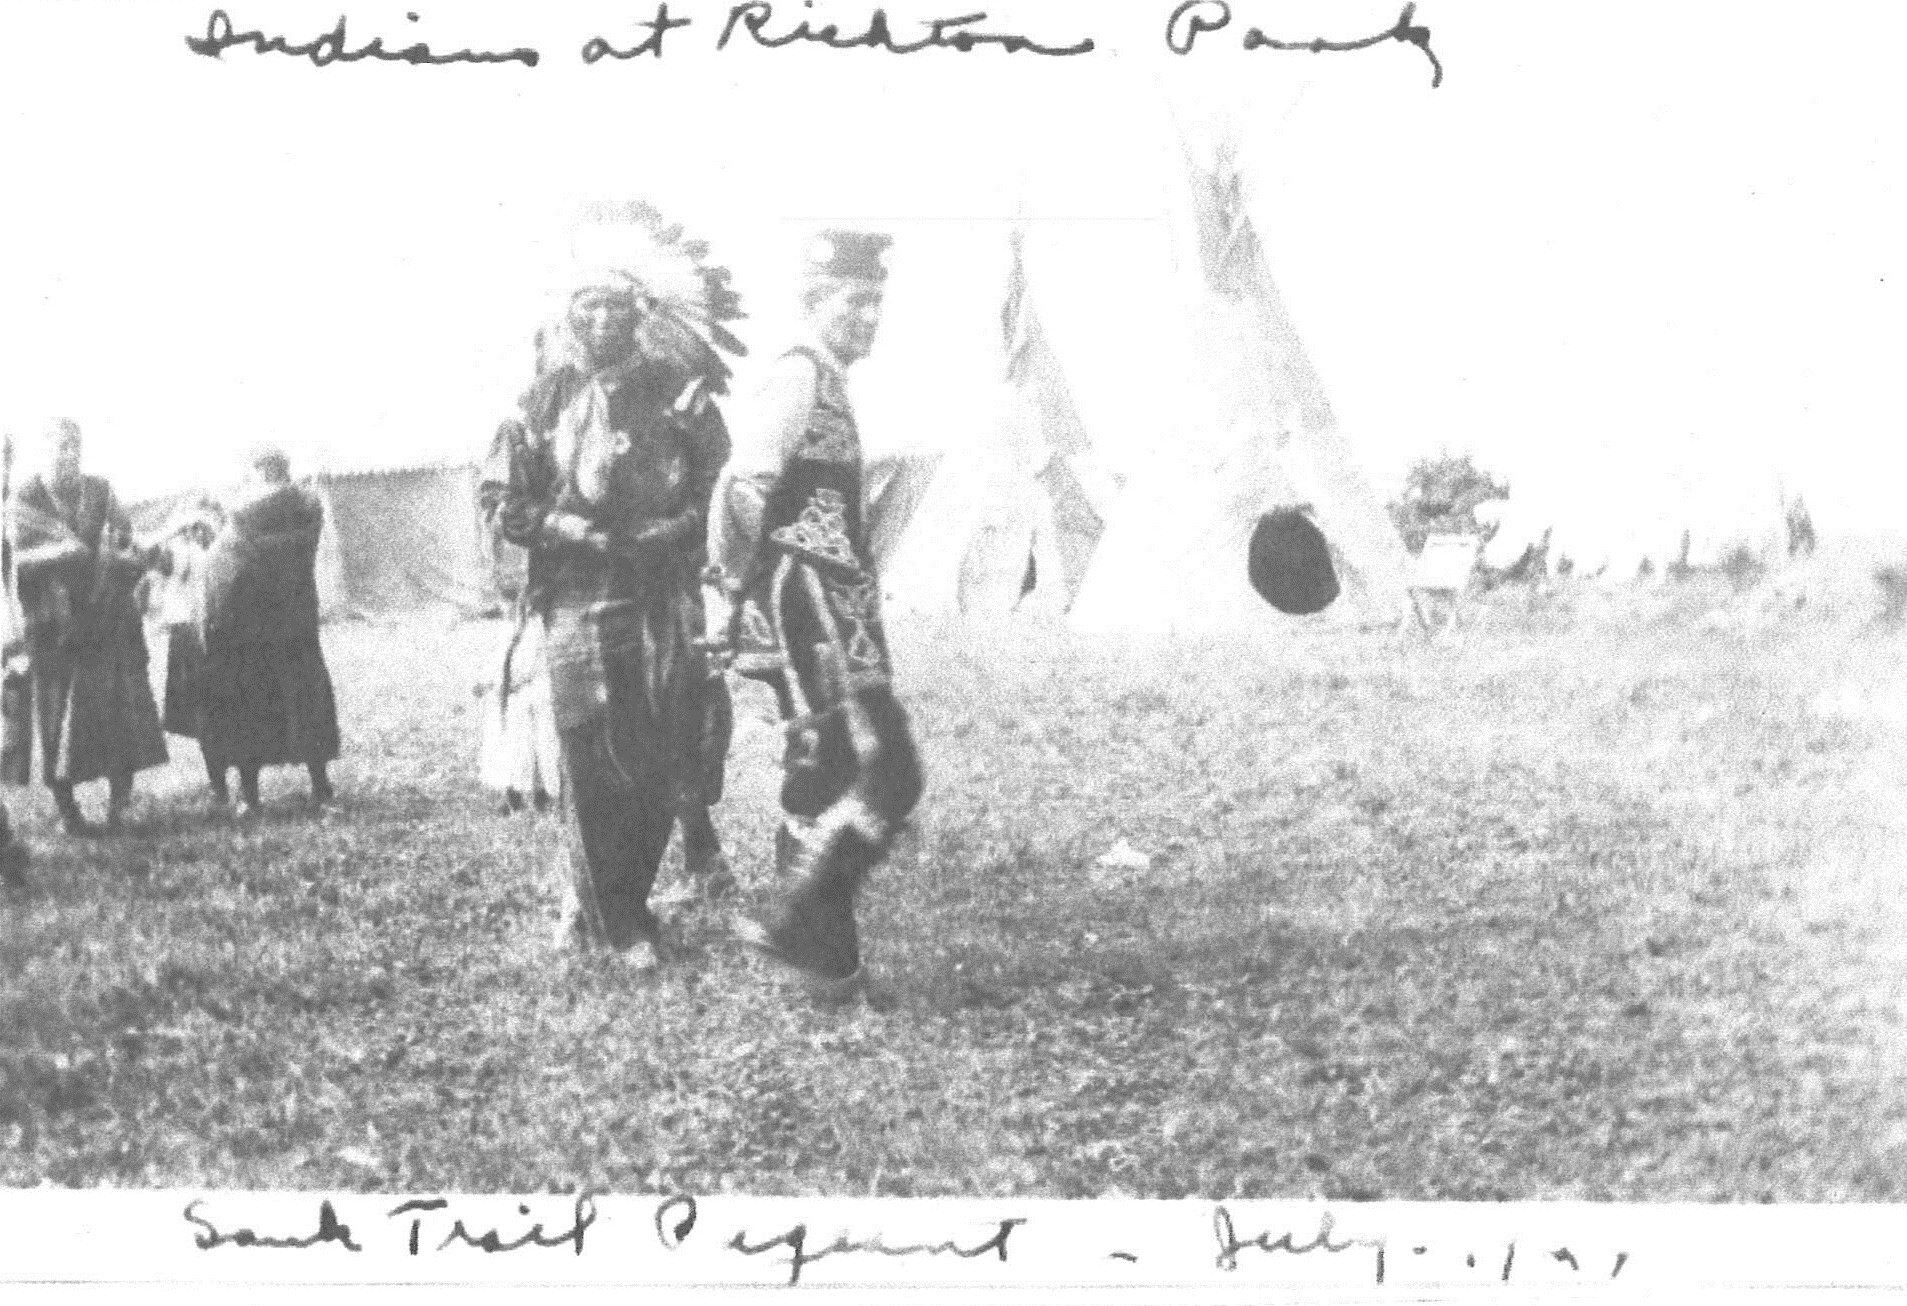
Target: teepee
{"points": [[1147, 403], [1257, 434], [1013, 516]]}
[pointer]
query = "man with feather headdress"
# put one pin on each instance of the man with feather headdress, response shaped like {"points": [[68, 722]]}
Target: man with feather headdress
{"points": [[605, 477]]}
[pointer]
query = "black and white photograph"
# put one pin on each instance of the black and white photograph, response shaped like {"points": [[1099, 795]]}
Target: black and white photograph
{"points": [[1211, 603]]}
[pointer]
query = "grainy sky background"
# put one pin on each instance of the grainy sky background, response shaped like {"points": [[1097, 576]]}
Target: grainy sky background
{"points": [[1636, 257]]}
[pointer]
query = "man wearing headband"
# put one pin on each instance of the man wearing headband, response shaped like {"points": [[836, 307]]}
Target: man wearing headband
{"points": [[605, 480], [798, 604]]}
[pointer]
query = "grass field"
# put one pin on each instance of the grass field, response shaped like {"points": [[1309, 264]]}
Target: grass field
{"points": [[1552, 907]]}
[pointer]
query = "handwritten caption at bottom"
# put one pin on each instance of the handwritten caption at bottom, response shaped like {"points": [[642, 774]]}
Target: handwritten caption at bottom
{"points": [[1008, 1247]]}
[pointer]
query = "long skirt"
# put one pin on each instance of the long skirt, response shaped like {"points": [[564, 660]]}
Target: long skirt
{"points": [[185, 677], [267, 703], [94, 708]]}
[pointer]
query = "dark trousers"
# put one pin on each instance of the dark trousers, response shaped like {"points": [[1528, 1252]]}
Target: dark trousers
{"points": [[616, 830]]}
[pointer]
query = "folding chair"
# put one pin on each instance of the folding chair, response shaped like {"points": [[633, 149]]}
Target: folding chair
{"points": [[1440, 579]]}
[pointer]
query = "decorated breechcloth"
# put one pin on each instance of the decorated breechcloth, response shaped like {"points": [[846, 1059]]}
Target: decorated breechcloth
{"points": [[812, 628]]}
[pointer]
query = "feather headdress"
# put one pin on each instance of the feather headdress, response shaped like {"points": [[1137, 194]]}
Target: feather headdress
{"points": [[627, 248]]}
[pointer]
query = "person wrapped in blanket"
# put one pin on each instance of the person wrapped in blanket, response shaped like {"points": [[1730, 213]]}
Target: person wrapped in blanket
{"points": [[796, 603], [77, 570], [605, 480], [266, 697]]}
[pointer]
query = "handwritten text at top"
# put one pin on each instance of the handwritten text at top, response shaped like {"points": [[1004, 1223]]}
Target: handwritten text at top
{"points": [[1190, 26]]}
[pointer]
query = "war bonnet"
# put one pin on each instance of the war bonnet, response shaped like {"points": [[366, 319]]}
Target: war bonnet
{"points": [[626, 249]]}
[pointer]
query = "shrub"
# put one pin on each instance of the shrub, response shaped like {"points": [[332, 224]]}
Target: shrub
{"points": [[1442, 494], [1742, 566]]}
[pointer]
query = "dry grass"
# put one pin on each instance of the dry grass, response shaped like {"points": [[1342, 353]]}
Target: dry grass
{"points": [[1552, 907]]}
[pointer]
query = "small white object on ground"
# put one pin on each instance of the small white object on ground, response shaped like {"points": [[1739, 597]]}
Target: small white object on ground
{"points": [[1122, 856]]}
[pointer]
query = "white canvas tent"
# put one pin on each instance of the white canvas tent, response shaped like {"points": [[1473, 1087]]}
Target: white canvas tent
{"points": [[397, 541], [1618, 529], [404, 540]]}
